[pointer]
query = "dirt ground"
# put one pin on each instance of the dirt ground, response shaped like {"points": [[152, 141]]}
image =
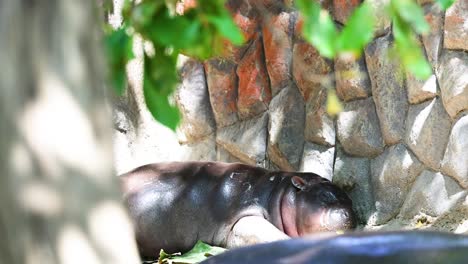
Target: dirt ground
{"points": [[456, 221]]}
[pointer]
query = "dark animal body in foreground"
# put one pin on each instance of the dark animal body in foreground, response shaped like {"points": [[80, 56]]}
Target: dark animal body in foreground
{"points": [[413, 247], [173, 205]]}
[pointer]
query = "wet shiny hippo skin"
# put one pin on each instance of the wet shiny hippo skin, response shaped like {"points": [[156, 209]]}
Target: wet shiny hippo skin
{"points": [[175, 204], [415, 247]]}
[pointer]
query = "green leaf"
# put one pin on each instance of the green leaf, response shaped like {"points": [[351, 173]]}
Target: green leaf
{"points": [[159, 106], [176, 31], [198, 253], [143, 13], [119, 50], [319, 28], [412, 13], [227, 28], [159, 81], [444, 4], [410, 51], [358, 31]]}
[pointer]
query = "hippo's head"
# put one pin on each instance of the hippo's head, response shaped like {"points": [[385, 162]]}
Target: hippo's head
{"points": [[312, 204]]}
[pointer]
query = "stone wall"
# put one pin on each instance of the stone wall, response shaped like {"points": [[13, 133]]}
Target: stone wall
{"points": [[399, 147]]}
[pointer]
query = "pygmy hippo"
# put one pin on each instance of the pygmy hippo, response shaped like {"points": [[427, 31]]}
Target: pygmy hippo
{"points": [[415, 247], [174, 204]]}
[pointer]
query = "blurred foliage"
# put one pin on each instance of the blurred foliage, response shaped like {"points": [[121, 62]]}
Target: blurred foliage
{"points": [[204, 27], [200, 32], [197, 254]]}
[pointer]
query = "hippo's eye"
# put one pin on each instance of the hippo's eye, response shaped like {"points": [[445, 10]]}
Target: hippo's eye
{"points": [[328, 197]]}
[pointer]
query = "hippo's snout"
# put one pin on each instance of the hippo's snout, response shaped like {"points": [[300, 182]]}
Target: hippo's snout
{"points": [[339, 219]]}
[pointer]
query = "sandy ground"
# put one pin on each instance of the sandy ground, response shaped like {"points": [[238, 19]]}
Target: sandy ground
{"points": [[456, 220]]}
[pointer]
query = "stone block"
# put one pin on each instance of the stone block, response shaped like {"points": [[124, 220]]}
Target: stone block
{"points": [[222, 85], [455, 26], [310, 70], [352, 79], [428, 128], [420, 91], [343, 8], [318, 159], [388, 89], [432, 194], [194, 103], [453, 81], [286, 128], [392, 175], [245, 16], [254, 92], [223, 155], [246, 140], [382, 20], [200, 150], [353, 176], [455, 161], [433, 39], [277, 40], [358, 129], [319, 127]]}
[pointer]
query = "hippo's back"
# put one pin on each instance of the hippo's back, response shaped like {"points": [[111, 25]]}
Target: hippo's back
{"points": [[175, 204]]}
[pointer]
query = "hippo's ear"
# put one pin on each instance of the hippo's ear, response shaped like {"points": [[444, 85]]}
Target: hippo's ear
{"points": [[299, 183]]}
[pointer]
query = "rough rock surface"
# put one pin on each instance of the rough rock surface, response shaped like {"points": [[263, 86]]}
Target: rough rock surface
{"points": [[246, 140], [286, 128], [277, 40], [433, 194], [433, 40], [318, 159], [222, 85], [254, 92], [343, 8], [310, 70], [223, 155], [428, 128], [358, 129], [353, 176], [453, 81], [420, 91], [455, 161], [352, 80], [194, 104], [388, 89], [319, 127], [456, 26], [203, 150], [392, 174], [382, 21]]}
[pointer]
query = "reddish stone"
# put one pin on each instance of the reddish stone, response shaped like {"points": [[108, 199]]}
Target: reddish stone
{"points": [[247, 25], [246, 17], [433, 40], [456, 19], [222, 85], [309, 69], [278, 50], [254, 92], [343, 8], [298, 25]]}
